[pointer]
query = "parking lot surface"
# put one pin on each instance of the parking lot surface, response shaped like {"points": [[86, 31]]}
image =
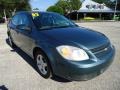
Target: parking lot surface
{"points": [[18, 71]]}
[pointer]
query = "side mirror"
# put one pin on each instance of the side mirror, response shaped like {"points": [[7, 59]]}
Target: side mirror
{"points": [[24, 27]]}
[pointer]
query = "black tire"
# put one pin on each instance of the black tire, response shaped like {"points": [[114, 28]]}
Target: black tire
{"points": [[11, 42], [48, 74]]}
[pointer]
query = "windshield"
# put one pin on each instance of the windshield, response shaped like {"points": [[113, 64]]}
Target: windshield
{"points": [[52, 20]]}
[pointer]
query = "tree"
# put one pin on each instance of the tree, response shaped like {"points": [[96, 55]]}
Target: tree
{"points": [[69, 5], [11, 6], [55, 9], [64, 5], [75, 4], [118, 6], [101, 1], [15, 4]]}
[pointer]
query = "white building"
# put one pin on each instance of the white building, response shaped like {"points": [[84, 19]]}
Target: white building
{"points": [[90, 8]]}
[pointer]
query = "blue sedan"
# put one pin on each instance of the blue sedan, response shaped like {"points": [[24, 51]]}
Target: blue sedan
{"points": [[59, 46]]}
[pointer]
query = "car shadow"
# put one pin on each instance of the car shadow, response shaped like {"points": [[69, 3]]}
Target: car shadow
{"points": [[3, 87], [32, 63]]}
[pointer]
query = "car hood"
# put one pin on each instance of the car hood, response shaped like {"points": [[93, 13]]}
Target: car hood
{"points": [[86, 37]]}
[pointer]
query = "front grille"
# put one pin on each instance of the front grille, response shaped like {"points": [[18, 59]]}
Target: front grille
{"points": [[101, 48], [103, 52]]}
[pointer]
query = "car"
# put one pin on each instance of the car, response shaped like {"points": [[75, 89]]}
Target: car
{"points": [[59, 46], [2, 20]]}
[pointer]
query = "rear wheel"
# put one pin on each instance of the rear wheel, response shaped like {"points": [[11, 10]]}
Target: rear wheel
{"points": [[43, 64]]}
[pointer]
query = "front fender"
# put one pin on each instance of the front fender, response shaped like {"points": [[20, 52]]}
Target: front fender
{"points": [[47, 49]]}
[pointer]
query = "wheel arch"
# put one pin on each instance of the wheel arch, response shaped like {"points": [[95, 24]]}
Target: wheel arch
{"points": [[46, 54]]}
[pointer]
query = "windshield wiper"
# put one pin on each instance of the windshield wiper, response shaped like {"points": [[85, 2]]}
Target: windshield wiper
{"points": [[63, 26], [52, 27]]}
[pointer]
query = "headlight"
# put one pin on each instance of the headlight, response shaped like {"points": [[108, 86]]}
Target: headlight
{"points": [[72, 53]]}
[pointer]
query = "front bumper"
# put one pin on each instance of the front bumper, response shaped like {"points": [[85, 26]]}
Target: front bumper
{"points": [[84, 70]]}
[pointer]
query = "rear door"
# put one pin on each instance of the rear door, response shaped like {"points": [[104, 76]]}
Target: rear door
{"points": [[13, 30]]}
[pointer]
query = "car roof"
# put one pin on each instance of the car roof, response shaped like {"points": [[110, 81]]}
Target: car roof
{"points": [[30, 12]]}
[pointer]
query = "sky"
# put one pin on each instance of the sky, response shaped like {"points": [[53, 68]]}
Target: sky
{"points": [[42, 5]]}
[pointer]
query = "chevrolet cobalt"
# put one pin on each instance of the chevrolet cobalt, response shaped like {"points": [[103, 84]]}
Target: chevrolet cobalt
{"points": [[59, 46]]}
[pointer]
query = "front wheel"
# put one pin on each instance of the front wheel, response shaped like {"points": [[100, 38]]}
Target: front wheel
{"points": [[43, 64]]}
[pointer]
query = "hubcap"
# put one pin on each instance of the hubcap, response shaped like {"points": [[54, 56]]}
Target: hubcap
{"points": [[42, 65], [10, 40]]}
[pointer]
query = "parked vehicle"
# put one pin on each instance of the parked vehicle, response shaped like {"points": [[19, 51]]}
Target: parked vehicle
{"points": [[2, 20], [59, 46]]}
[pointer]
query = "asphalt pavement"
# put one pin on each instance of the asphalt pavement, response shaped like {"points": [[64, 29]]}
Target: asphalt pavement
{"points": [[18, 71]]}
